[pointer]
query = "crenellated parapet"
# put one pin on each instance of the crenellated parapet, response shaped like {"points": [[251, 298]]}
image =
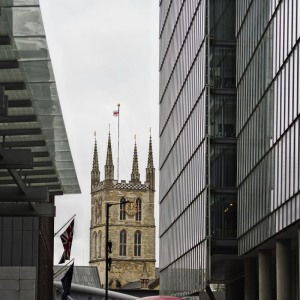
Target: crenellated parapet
{"points": [[109, 180]]}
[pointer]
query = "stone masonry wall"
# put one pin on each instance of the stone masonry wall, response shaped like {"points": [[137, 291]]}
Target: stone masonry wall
{"points": [[125, 268]]}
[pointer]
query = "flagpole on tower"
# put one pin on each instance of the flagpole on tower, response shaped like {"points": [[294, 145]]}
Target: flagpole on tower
{"points": [[116, 113], [64, 225], [118, 140]]}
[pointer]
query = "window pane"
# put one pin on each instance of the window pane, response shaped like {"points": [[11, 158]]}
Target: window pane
{"points": [[137, 243], [122, 209], [123, 238], [138, 205]]}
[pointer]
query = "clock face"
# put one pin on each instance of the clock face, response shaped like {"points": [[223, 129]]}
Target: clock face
{"points": [[130, 209]]}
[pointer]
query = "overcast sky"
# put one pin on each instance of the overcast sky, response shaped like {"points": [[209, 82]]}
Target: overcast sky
{"points": [[103, 52]]}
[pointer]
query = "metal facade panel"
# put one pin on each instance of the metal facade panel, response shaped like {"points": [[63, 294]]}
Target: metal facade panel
{"points": [[18, 241], [84, 275], [32, 80], [184, 267], [268, 120]]}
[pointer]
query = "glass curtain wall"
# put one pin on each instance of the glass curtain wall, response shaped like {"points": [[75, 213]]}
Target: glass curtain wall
{"points": [[197, 138], [222, 114], [183, 146], [268, 110]]}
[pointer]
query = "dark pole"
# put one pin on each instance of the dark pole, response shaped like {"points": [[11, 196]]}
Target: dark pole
{"points": [[106, 251], [64, 225], [108, 205]]}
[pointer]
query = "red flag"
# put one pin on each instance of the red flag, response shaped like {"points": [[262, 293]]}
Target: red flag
{"points": [[115, 113], [67, 238]]}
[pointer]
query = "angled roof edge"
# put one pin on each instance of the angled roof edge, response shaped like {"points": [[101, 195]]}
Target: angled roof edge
{"points": [[29, 44]]}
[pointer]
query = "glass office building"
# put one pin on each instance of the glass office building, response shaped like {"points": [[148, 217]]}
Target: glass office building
{"points": [[268, 110], [198, 195], [229, 147]]}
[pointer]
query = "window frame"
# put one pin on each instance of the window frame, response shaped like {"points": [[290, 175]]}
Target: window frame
{"points": [[122, 209], [123, 243], [137, 249], [138, 205]]}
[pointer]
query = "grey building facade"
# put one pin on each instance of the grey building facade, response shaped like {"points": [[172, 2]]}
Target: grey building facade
{"points": [[268, 115], [86, 276], [229, 147]]}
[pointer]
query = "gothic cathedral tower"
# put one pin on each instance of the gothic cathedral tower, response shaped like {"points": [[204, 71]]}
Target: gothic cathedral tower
{"points": [[131, 225]]}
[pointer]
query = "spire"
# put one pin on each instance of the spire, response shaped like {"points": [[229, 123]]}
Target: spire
{"points": [[95, 174], [150, 171], [109, 166], [135, 175], [150, 155]]}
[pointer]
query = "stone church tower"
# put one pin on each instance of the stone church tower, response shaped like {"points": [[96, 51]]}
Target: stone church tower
{"points": [[131, 225]]}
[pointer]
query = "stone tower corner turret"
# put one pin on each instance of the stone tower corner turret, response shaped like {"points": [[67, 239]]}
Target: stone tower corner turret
{"points": [[150, 170], [95, 174], [109, 166], [135, 175]]}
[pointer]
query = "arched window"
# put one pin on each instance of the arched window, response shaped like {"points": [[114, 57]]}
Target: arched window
{"points": [[95, 245], [99, 243], [122, 209], [123, 241], [138, 205], [137, 243]]}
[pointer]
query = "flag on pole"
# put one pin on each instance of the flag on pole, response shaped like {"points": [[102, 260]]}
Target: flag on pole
{"points": [[66, 282], [116, 113], [67, 238]]}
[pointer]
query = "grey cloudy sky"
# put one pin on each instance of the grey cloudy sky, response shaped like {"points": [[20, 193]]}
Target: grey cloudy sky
{"points": [[103, 52]]}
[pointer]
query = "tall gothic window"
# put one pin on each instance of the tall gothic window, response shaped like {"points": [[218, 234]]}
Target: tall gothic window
{"points": [[99, 243], [138, 205], [122, 209], [123, 243], [95, 245], [98, 204], [137, 243], [94, 208], [96, 212]]}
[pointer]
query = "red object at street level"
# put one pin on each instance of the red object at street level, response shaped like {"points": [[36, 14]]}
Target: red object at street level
{"points": [[161, 298]]}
